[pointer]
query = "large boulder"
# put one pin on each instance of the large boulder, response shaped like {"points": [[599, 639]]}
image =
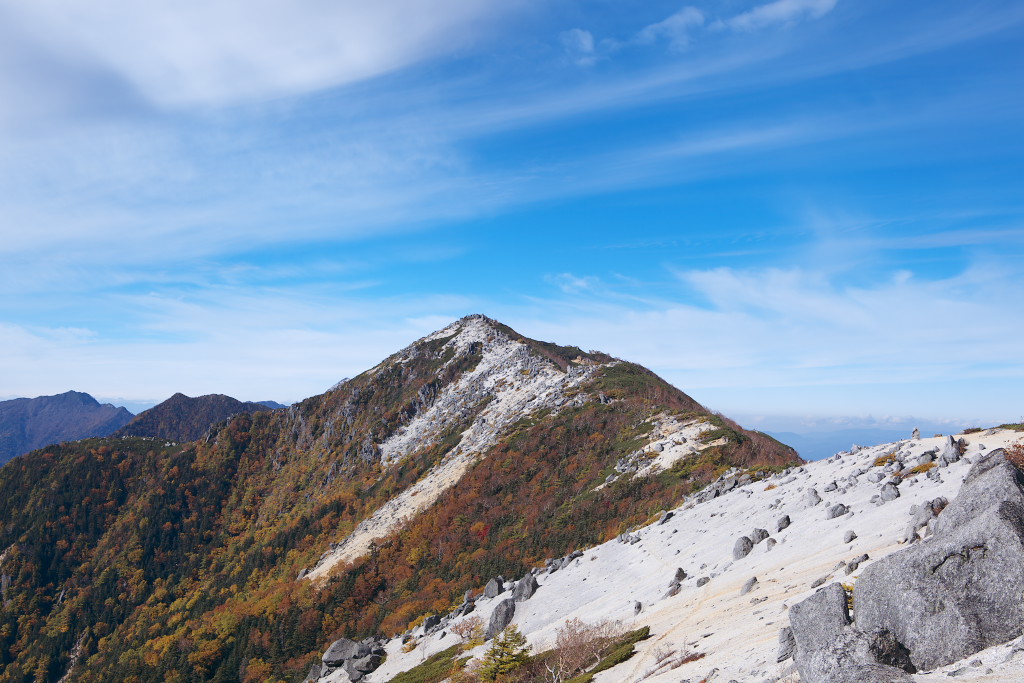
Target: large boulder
{"points": [[991, 480], [953, 595], [495, 587], [342, 650], [742, 548], [500, 618], [830, 650], [526, 587]]}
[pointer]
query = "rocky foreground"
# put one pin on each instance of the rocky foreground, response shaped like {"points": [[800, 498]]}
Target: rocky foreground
{"points": [[752, 580]]}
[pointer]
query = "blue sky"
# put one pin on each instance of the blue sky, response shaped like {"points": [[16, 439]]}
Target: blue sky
{"points": [[800, 209]]}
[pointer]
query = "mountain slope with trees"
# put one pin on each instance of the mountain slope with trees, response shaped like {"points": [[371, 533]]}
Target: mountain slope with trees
{"points": [[131, 561], [183, 418]]}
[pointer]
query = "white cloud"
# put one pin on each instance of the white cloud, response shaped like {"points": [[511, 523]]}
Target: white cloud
{"points": [[780, 12], [177, 53], [795, 340], [676, 29], [579, 45]]}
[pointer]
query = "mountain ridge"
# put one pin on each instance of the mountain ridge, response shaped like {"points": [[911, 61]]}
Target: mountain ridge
{"points": [[184, 556], [30, 423], [185, 418]]}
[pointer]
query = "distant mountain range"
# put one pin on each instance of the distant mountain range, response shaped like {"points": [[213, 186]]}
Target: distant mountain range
{"points": [[30, 423], [27, 424], [183, 418]]}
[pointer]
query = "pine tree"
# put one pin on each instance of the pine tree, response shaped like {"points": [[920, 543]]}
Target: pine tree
{"points": [[508, 652]]}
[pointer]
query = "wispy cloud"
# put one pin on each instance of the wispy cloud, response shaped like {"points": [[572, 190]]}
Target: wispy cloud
{"points": [[579, 45], [779, 12], [676, 29]]}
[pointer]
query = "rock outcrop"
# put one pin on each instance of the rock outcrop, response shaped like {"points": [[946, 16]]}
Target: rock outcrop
{"points": [[931, 604]]}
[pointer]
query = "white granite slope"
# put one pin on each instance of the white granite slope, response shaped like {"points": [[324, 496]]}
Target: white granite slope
{"points": [[737, 634]]}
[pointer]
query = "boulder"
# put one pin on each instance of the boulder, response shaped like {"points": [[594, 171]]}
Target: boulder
{"points": [[787, 645], [703, 581], [500, 618], [748, 585], [953, 595], [849, 536], [783, 523], [991, 480], [525, 589], [365, 664], [680, 574], [342, 650], [431, 622], [758, 535], [837, 510], [812, 498], [830, 650], [742, 548], [496, 586], [889, 492], [314, 672]]}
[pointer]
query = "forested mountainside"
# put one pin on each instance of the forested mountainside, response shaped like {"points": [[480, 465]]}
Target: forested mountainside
{"points": [[183, 418], [471, 453], [30, 423]]}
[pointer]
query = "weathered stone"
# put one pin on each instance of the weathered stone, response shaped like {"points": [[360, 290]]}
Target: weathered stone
{"points": [[849, 536], [812, 498], [769, 544], [638, 607], [344, 649], [680, 574], [430, 622], [787, 645], [500, 618], [742, 548], [366, 664], [829, 650], [837, 510], [758, 535], [525, 588], [831, 486], [665, 516], [916, 435], [314, 672], [889, 492], [496, 586], [991, 480], [748, 585], [702, 581], [954, 595]]}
